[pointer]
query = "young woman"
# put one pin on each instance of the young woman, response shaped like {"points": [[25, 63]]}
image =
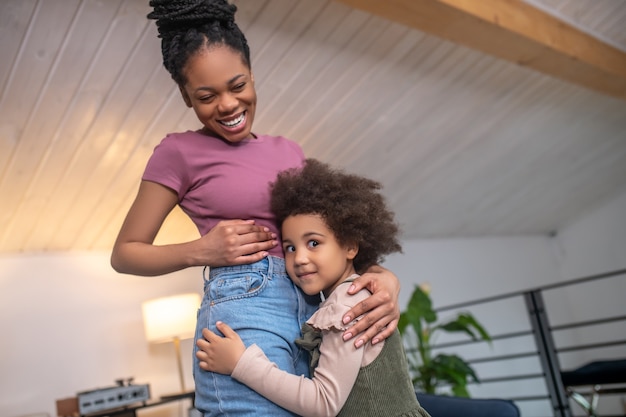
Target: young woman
{"points": [[327, 238], [220, 175]]}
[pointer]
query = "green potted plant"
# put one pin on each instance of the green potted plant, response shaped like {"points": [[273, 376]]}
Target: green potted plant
{"points": [[418, 328]]}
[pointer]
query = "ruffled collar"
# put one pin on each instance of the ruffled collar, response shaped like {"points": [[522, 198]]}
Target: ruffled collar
{"points": [[312, 337]]}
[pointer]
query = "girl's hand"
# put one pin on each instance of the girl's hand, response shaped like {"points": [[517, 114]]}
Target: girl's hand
{"points": [[380, 310], [219, 354]]}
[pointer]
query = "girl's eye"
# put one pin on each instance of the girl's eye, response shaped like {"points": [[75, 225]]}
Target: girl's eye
{"points": [[206, 99], [289, 248], [312, 243], [239, 87]]}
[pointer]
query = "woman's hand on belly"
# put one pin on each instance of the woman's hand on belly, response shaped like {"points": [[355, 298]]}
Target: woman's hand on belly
{"points": [[234, 242]]}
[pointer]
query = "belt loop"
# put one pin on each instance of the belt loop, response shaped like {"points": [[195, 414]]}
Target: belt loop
{"points": [[204, 271], [270, 266]]}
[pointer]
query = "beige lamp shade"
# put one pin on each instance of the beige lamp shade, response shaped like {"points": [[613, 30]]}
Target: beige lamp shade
{"points": [[169, 318]]}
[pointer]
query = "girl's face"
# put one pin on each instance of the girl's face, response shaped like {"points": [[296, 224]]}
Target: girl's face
{"points": [[220, 89], [314, 259]]}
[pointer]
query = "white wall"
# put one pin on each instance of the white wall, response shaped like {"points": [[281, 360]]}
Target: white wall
{"points": [[70, 323], [595, 243], [467, 269]]}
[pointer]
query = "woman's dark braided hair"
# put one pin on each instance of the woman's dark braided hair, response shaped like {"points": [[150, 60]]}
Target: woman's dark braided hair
{"points": [[188, 26], [350, 205]]}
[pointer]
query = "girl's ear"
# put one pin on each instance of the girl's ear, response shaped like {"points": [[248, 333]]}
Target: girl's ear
{"points": [[352, 249], [185, 96]]}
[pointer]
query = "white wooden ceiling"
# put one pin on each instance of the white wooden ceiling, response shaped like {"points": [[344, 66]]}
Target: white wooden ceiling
{"points": [[466, 143]]}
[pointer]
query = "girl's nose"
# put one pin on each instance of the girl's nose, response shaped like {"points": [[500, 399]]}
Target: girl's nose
{"points": [[301, 257]]}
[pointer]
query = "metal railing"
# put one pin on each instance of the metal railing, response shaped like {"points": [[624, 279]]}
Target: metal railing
{"points": [[545, 348]]}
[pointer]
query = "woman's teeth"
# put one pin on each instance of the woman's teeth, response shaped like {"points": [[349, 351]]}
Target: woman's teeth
{"points": [[234, 122]]}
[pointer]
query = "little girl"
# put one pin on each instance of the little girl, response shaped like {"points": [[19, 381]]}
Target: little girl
{"points": [[334, 226]]}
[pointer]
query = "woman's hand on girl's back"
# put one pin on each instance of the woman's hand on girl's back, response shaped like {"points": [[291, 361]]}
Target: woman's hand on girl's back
{"points": [[380, 310]]}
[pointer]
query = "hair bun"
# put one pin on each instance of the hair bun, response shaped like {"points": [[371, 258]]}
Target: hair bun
{"points": [[180, 15]]}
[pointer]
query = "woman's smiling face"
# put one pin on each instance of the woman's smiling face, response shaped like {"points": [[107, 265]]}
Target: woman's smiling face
{"points": [[220, 89]]}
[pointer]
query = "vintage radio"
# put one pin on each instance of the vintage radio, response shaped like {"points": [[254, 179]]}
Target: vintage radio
{"points": [[103, 399]]}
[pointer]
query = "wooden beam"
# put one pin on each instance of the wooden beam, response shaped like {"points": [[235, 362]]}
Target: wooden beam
{"points": [[515, 31]]}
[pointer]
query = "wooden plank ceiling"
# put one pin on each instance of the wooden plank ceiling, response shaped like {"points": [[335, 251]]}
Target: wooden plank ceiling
{"points": [[516, 31], [480, 118]]}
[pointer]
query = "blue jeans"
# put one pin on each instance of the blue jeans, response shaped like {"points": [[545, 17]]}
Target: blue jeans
{"points": [[263, 306]]}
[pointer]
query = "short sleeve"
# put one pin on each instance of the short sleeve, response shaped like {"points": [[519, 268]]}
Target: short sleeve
{"points": [[166, 166]]}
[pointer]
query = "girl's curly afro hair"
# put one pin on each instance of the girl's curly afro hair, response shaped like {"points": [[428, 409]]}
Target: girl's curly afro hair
{"points": [[351, 206]]}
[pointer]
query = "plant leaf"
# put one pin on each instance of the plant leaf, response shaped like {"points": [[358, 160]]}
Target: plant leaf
{"points": [[420, 307], [402, 322], [466, 323], [460, 391], [455, 371], [428, 373]]}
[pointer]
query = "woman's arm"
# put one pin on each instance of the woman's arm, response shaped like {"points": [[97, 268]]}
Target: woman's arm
{"points": [[323, 395], [380, 311], [230, 242]]}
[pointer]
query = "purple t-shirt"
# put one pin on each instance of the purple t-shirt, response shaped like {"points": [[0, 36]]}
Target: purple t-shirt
{"points": [[218, 180]]}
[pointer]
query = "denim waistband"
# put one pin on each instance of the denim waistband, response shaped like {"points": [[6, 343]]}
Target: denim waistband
{"points": [[269, 264]]}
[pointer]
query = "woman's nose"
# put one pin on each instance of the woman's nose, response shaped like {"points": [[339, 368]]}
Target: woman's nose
{"points": [[228, 103]]}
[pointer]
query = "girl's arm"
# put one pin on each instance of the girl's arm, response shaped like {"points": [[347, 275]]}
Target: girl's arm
{"points": [[323, 395], [230, 242], [380, 310]]}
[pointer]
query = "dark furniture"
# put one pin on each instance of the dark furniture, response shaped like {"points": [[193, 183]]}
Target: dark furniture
{"points": [[447, 406], [593, 376]]}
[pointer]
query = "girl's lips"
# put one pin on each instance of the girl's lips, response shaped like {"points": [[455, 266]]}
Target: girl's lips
{"points": [[305, 275]]}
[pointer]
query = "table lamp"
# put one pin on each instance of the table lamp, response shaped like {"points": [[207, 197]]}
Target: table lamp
{"points": [[171, 319]]}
